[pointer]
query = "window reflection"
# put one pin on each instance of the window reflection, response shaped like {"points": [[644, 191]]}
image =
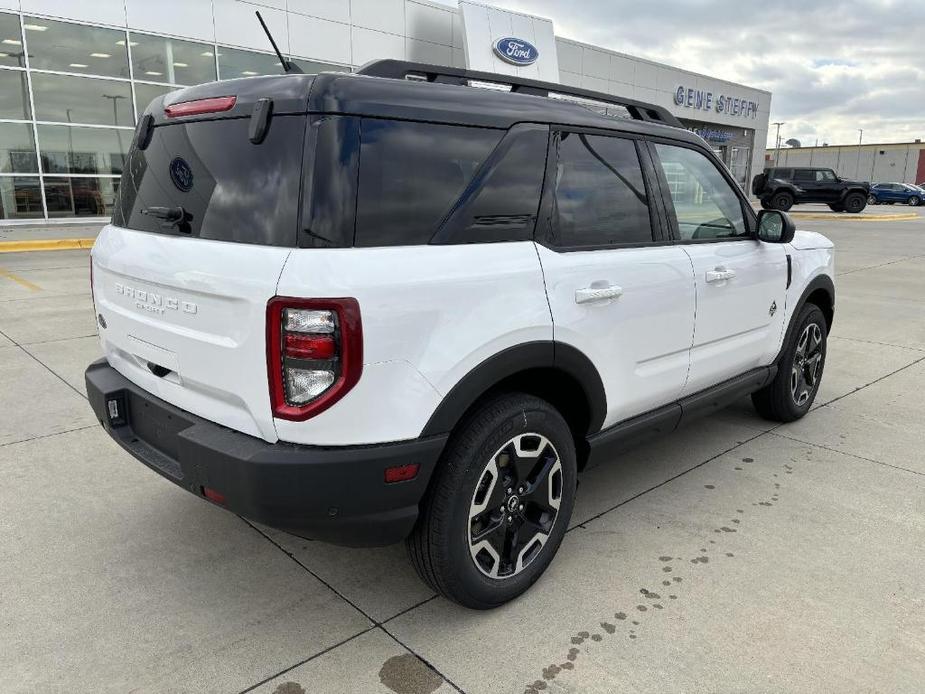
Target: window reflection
{"points": [[14, 95], [79, 196], [17, 149], [75, 48], [11, 52], [159, 59], [146, 93], [67, 149], [233, 63], [20, 197], [66, 99]]}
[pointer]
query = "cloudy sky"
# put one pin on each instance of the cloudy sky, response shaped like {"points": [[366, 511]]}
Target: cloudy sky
{"points": [[833, 66]]}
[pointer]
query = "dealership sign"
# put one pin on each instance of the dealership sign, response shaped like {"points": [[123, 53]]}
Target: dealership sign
{"points": [[704, 100], [516, 51]]}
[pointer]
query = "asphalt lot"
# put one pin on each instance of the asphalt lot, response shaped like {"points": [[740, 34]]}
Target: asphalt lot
{"points": [[733, 556]]}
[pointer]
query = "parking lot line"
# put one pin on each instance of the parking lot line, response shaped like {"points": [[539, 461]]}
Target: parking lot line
{"points": [[20, 280]]}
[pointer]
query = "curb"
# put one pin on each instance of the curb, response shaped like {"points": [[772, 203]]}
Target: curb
{"points": [[45, 245], [855, 218]]}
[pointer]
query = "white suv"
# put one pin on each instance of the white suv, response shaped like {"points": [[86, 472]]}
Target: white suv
{"points": [[363, 308]]}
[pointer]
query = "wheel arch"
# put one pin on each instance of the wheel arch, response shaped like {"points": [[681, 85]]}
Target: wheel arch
{"points": [[819, 291], [855, 189], [559, 373]]}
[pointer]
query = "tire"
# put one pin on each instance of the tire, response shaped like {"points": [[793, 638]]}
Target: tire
{"points": [[790, 395], [855, 202], [914, 201], [871, 200], [835, 207], [782, 201], [766, 205], [513, 438]]}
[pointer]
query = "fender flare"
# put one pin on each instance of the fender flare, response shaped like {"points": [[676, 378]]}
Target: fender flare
{"points": [[823, 282], [853, 189], [510, 362]]}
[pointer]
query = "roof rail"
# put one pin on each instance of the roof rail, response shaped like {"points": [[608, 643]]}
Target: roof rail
{"points": [[401, 69]]}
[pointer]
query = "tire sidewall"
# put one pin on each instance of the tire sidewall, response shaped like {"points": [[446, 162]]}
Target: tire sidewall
{"points": [[855, 196], [540, 420], [809, 314], [782, 201]]}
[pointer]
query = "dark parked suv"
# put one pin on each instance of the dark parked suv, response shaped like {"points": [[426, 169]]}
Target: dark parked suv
{"points": [[782, 188]]}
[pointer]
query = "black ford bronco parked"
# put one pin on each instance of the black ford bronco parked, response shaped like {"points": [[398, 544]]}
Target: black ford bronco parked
{"points": [[781, 188]]}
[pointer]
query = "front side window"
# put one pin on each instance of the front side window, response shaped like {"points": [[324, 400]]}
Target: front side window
{"points": [[825, 176], [411, 174], [599, 193], [705, 203]]}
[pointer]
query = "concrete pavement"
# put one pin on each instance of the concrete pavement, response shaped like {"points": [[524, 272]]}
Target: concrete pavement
{"points": [[731, 556]]}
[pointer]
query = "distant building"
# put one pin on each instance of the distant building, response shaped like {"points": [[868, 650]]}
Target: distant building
{"points": [[893, 163]]}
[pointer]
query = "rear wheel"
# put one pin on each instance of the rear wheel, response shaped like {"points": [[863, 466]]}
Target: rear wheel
{"points": [[782, 201], [915, 201], [499, 504], [855, 202], [793, 390]]}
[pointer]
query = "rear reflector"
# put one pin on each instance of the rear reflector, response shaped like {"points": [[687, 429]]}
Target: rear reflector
{"points": [[309, 346], [214, 496], [200, 106], [401, 473]]}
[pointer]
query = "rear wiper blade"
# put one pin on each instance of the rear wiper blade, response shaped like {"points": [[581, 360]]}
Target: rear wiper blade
{"points": [[172, 216]]}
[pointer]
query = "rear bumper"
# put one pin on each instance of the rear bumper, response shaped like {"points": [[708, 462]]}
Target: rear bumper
{"points": [[334, 494]]}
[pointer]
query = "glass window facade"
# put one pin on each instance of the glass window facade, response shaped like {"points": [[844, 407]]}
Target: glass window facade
{"points": [[87, 86]]}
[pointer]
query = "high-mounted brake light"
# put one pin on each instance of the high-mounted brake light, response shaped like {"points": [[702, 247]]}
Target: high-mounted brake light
{"points": [[199, 106], [314, 354]]}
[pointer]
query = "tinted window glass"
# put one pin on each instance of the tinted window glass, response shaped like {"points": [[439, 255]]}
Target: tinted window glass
{"points": [[169, 60], [11, 39], [146, 93], [17, 150], [825, 175], [329, 192], [20, 197], [804, 175], [66, 99], [75, 48], [72, 149], [410, 176], [14, 95], [600, 196], [228, 188], [705, 203], [501, 201]]}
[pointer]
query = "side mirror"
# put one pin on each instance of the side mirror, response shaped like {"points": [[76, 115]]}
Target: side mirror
{"points": [[775, 226]]}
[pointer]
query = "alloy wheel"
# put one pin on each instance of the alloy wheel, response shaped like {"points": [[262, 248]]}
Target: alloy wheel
{"points": [[804, 376], [515, 505]]}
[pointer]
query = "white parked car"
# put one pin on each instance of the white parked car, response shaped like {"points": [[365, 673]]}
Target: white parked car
{"points": [[363, 308]]}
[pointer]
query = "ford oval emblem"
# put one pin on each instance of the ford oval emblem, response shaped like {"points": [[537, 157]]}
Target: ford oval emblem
{"points": [[181, 174], [516, 51]]}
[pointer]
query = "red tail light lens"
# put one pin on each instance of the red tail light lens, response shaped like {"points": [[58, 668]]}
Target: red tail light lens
{"points": [[314, 354], [199, 106]]}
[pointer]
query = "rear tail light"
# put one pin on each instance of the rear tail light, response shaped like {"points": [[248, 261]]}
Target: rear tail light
{"points": [[200, 106], [314, 354]]}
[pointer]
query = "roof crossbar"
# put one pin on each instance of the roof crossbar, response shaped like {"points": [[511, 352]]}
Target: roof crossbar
{"points": [[401, 69]]}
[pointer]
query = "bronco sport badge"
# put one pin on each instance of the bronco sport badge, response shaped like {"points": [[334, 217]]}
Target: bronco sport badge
{"points": [[181, 174]]}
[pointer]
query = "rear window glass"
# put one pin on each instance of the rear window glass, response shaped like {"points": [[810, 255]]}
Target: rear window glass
{"points": [[225, 187], [411, 174]]}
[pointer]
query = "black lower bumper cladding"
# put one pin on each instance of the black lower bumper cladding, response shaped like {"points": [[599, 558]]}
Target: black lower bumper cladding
{"points": [[336, 494]]}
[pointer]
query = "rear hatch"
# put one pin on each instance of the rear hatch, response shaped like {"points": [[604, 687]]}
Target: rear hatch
{"points": [[204, 223]]}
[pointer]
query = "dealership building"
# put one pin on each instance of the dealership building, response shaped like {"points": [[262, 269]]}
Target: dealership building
{"points": [[75, 75]]}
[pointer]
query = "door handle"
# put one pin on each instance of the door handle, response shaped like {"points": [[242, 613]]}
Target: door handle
{"points": [[587, 295], [720, 274]]}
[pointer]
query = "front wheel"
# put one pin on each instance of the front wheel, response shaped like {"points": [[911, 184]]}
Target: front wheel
{"points": [[792, 392], [499, 504]]}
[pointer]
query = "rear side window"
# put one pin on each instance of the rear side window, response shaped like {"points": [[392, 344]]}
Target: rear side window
{"points": [[804, 175], [206, 179], [599, 193], [411, 174]]}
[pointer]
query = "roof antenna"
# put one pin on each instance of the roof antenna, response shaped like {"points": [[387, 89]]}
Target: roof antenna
{"points": [[288, 65]]}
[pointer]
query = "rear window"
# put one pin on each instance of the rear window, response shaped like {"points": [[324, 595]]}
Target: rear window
{"points": [[225, 187], [411, 174]]}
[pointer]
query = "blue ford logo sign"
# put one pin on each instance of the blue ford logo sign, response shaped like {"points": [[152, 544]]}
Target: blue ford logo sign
{"points": [[516, 51], [181, 174]]}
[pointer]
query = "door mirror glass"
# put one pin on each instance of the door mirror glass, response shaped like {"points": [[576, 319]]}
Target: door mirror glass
{"points": [[775, 226]]}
